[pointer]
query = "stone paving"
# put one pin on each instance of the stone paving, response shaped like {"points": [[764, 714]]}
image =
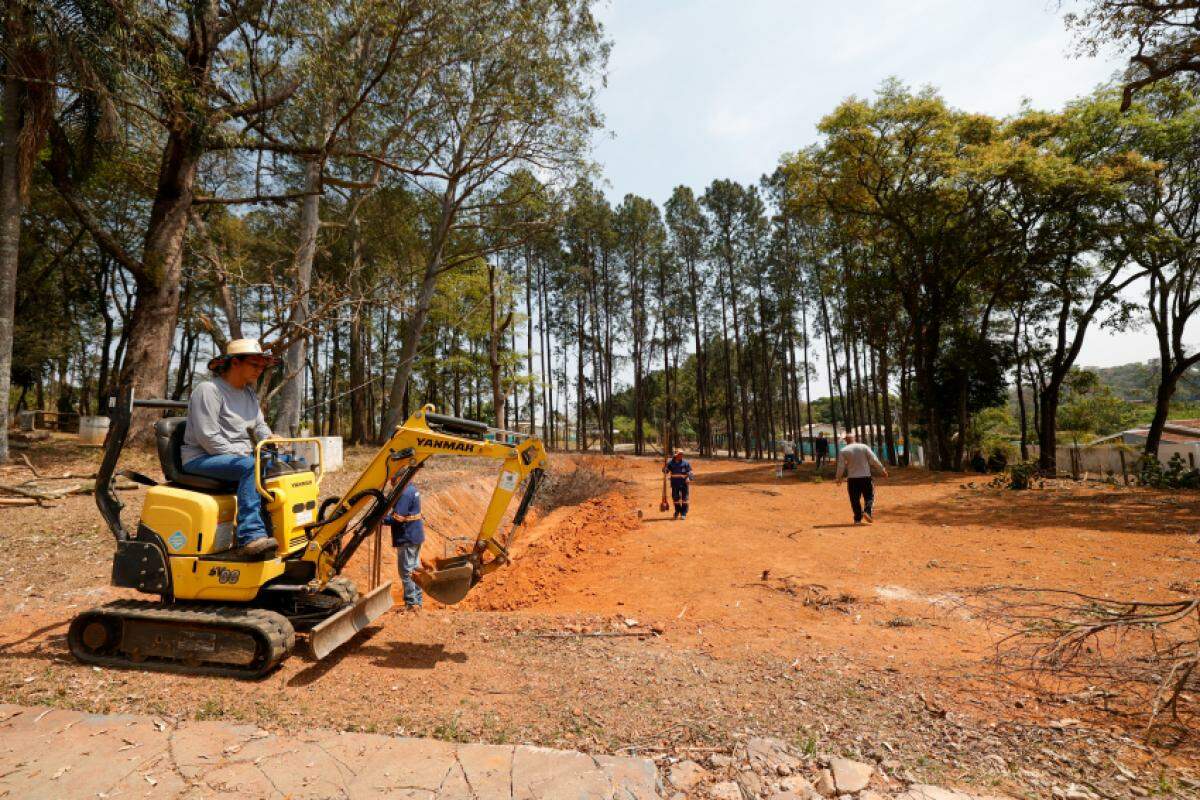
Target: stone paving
{"points": [[52, 753]]}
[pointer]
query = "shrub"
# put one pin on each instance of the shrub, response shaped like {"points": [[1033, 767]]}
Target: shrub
{"points": [[1021, 475], [1176, 475]]}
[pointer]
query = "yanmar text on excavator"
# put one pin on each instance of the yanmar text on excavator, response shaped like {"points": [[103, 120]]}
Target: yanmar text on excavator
{"points": [[217, 614]]}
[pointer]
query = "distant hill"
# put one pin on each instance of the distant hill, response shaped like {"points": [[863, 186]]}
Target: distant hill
{"points": [[1136, 383]]}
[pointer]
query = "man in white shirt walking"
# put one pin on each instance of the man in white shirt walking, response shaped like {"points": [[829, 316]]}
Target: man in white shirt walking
{"points": [[854, 463]]}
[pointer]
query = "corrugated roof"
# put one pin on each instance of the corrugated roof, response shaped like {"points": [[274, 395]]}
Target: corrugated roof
{"points": [[1168, 436], [1176, 431]]}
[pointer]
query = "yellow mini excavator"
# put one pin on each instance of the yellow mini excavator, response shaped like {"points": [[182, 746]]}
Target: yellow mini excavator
{"points": [[218, 614]]}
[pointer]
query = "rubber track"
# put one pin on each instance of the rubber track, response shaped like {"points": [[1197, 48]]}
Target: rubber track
{"points": [[274, 634]]}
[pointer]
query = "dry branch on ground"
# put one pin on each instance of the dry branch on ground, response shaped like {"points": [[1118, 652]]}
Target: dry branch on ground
{"points": [[1145, 654]]}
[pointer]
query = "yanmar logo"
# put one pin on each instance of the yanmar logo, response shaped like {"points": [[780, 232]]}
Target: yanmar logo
{"points": [[438, 444]]}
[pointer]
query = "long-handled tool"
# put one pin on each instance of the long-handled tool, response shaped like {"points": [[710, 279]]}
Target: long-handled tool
{"points": [[664, 505]]}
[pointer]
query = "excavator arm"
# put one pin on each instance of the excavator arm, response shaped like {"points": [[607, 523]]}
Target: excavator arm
{"points": [[335, 537]]}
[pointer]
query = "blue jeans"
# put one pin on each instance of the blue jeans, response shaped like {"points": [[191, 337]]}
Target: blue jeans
{"points": [[249, 503], [408, 559]]}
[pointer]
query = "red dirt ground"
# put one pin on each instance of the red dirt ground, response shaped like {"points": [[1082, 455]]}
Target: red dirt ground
{"points": [[617, 629], [933, 542]]}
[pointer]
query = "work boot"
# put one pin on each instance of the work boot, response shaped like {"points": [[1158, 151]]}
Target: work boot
{"points": [[262, 547]]}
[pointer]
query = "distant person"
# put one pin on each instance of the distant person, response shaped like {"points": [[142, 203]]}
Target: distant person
{"points": [[855, 463], [216, 443], [408, 534], [821, 449], [680, 472], [790, 459]]}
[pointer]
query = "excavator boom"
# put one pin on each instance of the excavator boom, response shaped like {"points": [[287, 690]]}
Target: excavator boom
{"points": [[425, 434]]}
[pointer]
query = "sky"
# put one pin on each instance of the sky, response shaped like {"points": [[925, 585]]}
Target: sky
{"points": [[701, 89]]}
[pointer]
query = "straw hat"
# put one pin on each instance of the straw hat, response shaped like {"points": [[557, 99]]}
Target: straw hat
{"points": [[242, 347]]}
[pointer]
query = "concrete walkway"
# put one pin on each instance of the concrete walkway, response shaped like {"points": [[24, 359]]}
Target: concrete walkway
{"points": [[49, 753]]}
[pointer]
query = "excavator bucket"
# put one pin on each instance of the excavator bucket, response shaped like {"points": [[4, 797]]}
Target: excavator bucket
{"points": [[448, 581], [342, 626]]}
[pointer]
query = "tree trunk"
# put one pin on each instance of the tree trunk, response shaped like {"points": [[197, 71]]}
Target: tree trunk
{"points": [[334, 361], [905, 406], [1016, 343], [705, 432], [185, 358], [495, 335], [961, 444], [529, 342], [358, 372], [10, 239], [287, 421], [156, 302], [829, 373], [416, 323], [743, 403], [1168, 380], [580, 392], [1047, 439], [885, 394], [807, 370], [730, 427]]}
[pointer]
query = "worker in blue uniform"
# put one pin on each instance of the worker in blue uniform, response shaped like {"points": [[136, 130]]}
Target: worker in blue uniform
{"points": [[680, 472]]}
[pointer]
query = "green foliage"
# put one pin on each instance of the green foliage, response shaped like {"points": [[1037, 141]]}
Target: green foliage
{"points": [[1176, 475], [992, 433], [1020, 475], [1092, 409]]}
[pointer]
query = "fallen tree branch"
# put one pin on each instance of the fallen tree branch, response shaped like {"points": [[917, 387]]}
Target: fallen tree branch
{"points": [[592, 634], [1146, 654], [31, 490], [36, 494], [29, 464]]}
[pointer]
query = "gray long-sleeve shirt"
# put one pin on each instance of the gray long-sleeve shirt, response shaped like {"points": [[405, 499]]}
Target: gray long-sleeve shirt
{"points": [[855, 461], [218, 416]]}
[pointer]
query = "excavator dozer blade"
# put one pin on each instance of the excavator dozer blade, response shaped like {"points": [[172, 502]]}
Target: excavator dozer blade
{"points": [[449, 580], [332, 633]]}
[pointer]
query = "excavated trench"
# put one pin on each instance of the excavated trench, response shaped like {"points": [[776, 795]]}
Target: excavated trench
{"points": [[553, 544]]}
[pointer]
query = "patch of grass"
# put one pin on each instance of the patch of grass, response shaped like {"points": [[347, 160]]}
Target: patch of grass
{"points": [[212, 709], [1165, 786], [493, 731], [450, 731], [806, 742]]}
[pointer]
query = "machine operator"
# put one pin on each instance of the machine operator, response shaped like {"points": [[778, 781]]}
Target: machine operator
{"points": [[216, 442]]}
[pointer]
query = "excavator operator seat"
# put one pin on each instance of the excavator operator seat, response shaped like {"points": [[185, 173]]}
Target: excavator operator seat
{"points": [[168, 436]]}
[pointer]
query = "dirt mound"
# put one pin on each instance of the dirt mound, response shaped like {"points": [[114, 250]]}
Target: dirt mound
{"points": [[566, 542]]}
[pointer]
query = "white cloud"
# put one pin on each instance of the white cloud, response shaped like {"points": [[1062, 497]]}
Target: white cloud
{"points": [[728, 122]]}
